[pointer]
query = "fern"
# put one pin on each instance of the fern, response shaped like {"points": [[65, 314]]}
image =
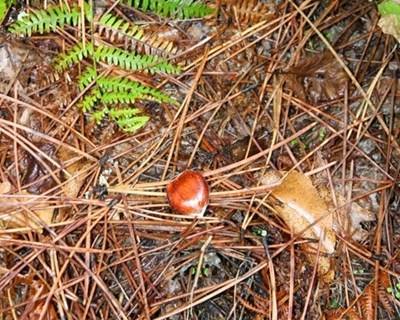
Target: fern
{"points": [[111, 90], [98, 96], [140, 40], [182, 9], [127, 118], [99, 115], [118, 84], [131, 61], [117, 57], [129, 124], [87, 77], [90, 100], [40, 21], [74, 55]]}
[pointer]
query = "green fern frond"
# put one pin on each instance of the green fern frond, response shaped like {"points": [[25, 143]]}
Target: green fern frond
{"points": [[118, 84], [4, 7], [121, 87], [181, 9], [49, 19], [131, 61], [115, 56], [128, 123], [87, 77], [90, 100], [113, 25], [137, 38], [119, 97], [124, 113], [99, 115], [127, 118], [74, 55]]}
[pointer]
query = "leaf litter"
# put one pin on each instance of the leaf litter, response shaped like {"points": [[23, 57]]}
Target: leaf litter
{"points": [[265, 243]]}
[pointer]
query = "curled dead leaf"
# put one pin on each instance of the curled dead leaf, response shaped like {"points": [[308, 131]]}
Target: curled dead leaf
{"points": [[74, 179], [23, 211], [317, 78], [76, 171], [306, 214]]}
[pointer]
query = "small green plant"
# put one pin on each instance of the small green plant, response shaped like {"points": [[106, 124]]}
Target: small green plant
{"points": [[111, 90], [259, 232], [110, 96], [205, 271], [322, 134], [394, 290], [334, 303], [294, 142]]}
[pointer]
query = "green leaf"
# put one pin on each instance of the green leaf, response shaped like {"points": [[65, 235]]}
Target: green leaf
{"points": [[182, 9], [49, 19], [389, 7], [4, 7]]}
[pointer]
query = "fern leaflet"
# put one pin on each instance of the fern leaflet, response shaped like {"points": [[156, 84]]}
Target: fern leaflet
{"points": [[182, 9], [118, 84], [117, 57], [131, 61], [87, 77], [140, 40], [73, 55], [120, 87], [49, 19], [90, 100], [131, 124], [127, 118]]}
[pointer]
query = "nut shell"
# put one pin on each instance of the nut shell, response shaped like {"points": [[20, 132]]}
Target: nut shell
{"points": [[188, 193]]}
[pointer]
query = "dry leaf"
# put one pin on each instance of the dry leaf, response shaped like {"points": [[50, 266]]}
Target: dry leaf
{"points": [[390, 24], [74, 181], [5, 187], [35, 288], [250, 11], [306, 213], [348, 219], [76, 171], [317, 78], [28, 215]]}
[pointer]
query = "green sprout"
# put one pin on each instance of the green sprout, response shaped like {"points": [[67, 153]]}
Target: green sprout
{"points": [[259, 232], [394, 290]]}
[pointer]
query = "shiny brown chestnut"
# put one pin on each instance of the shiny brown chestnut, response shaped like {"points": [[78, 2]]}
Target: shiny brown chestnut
{"points": [[188, 193]]}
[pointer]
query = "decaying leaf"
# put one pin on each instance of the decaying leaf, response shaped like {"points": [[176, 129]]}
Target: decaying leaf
{"points": [[22, 211], [390, 17], [249, 11], [317, 78], [390, 24], [75, 179], [306, 213], [35, 290], [347, 218], [76, 169]]}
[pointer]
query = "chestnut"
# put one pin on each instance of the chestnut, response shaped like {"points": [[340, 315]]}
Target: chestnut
{"points": [[188, 193]]}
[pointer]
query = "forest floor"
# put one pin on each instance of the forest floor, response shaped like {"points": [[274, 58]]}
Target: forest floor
{"points": [[291, 112]]}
